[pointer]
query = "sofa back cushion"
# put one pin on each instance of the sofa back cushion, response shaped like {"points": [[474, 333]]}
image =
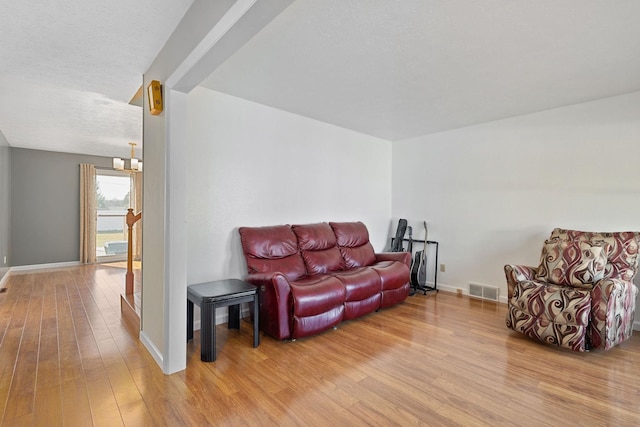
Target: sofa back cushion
{"points": [[272, 249], [572, 262], [622, 259], [317, 245], [353, 241]]}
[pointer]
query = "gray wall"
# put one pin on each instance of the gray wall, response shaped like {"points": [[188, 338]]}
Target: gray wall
{"points": [[5, 205], [45, 205]]}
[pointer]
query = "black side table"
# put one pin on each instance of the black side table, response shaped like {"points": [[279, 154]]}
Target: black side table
{"points": [[211, 295]]}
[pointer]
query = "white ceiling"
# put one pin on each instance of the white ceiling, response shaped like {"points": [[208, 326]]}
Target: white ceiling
{"points": [[389, 68], [402, 68], [68, 69]]}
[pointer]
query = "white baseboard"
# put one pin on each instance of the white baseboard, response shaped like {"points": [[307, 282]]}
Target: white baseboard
{"points": [[503, 299], [449, 288], [221, 317], [4, 279], [33, 267], [151, 348], [465, 291]]}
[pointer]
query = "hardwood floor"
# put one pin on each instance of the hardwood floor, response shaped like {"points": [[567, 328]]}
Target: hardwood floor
{"points": [[66, 358]]}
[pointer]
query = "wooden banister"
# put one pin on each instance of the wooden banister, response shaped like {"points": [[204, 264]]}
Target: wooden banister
{"points": [[131, 219]]}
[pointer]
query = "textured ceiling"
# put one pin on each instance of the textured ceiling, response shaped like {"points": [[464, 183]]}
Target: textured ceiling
{"points": [[403, 68], [68, 69], [389, 68]]}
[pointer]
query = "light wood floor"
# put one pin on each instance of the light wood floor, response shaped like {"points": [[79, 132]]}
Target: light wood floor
{"points": [[67, 359]]}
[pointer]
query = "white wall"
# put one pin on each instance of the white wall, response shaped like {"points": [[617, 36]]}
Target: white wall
{"points": [[493, 192], [208, 34], [253, 165]]}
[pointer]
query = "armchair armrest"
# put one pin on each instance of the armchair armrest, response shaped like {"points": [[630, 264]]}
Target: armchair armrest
{"points": [[404, 257], [275, 292], [518, 273], [613, 304]]}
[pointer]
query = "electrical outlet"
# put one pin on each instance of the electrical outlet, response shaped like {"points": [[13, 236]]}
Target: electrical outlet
{"points": [[442, 268], [5, 260]]}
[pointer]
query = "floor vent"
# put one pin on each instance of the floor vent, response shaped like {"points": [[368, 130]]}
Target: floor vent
{"points": [[484, 291]]}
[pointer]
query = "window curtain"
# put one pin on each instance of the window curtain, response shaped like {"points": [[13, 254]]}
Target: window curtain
{"points": [[87, 213], [137, 207]]}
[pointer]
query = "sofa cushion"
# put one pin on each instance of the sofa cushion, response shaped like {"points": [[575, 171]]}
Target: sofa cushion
{"points": [[314, 237], [555, 303], [320, 262], [572, 337], [622, 260], [310, 325], [316, 295], [360, 283], [272, 249], [393, 274], [355, 309], [317, 244], [353, 241], [572, 262]]}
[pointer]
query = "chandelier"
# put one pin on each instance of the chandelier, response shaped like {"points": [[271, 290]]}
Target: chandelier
{"points": [[134, 164]]}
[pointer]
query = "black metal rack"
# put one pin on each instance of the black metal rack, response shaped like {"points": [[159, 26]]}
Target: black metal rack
{"points": [[424, 288]]}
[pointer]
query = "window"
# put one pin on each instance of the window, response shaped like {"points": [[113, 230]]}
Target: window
{"points": [[113, 198]]}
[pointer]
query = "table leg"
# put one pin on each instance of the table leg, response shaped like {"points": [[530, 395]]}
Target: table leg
{"points": [[189, 320], [256, 320], [208, 332], [234, 317]]}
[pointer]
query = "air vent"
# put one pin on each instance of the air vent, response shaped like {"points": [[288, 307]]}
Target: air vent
{"points": [[487, 292]]}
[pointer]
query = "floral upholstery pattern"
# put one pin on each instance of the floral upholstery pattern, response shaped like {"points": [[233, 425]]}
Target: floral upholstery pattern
{"points": [[518, 273], [559, 304], [622, 261], [572, 262], [592, 305], [612, 312]]}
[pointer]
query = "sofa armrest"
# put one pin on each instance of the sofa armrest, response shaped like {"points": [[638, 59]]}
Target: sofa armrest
{"points": [[613, 304], [275, 303], [518, 273], [260, 279], [404, 257]]}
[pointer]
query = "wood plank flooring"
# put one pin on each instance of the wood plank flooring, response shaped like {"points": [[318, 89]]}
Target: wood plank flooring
{"points": [[67, 359]]}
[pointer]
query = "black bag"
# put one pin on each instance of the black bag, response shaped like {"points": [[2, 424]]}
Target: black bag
{"points": [[396, 243]]}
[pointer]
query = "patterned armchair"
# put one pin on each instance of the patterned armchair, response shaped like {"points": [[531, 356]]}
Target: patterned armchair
{"points": [[582, 295]]}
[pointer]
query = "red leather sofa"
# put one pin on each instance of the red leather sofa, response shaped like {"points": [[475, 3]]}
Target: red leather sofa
{"points": [[313, 276]]}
